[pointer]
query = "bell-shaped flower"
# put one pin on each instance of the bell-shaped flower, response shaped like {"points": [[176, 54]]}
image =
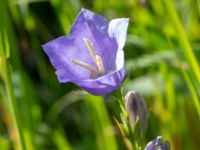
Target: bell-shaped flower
{"points": [[158, 144], [92, 55]]}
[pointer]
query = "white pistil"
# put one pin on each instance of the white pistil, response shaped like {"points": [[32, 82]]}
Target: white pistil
{"points": [[96, 58], [99, 64], [82, 64], [91, 49]]}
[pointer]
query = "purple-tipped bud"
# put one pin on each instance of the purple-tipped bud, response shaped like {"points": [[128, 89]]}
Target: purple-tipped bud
{"points": [[136, 108], [158, 144]]}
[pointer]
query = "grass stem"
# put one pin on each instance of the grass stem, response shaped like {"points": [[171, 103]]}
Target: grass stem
{"points": [[12, 105], [182, 38]]}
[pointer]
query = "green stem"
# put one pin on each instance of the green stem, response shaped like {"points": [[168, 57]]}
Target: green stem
{"points": [[12, 105], [119, 96], [182, 37]]}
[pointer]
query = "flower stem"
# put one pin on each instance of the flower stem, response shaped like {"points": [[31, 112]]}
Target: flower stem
{"points": [[130, 135], [17, 135]]}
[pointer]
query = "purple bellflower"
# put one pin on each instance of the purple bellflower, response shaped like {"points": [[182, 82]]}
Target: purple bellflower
{"points": [[158, 144], [92, 55]]}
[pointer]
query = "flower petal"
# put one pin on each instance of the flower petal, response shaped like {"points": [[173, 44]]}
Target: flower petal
{"points": [[61, 51], [95, 28], [92, 20], [158, 143], [105, 84], [119, 59], [118, 30]]}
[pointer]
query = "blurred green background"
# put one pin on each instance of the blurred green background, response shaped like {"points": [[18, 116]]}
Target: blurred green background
{"points": [[162, 59]]}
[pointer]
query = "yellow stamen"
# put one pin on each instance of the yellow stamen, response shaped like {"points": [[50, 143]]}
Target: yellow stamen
{"points": [[99, 64], [82, 64], [90, 48]]}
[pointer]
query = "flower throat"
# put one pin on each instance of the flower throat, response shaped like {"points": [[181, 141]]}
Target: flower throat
{"points": [[100, 70]]}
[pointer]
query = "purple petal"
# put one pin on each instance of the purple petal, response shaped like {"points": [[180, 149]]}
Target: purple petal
{"points": [[95, 28], [61, 51], [158, 144], [150, 146], [103, 85]]}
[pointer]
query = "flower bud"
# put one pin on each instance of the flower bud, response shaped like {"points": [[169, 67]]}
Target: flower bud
{"points": [[158, 144], [136, 108]]}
